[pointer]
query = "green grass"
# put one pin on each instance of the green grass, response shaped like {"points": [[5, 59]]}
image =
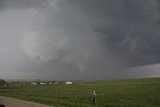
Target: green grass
{"points": [[115, 93]]}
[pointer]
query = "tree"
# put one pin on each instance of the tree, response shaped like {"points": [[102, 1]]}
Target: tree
{"points": [[2, 82]]}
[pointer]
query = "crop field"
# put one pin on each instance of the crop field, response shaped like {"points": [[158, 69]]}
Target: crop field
{"points": [[112, 93]]}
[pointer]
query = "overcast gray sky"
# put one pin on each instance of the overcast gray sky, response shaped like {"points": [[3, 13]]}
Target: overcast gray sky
{"points": [[79, 39]]}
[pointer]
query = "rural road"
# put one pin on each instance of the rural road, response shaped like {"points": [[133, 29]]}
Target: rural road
{"points": [[10, 102]]}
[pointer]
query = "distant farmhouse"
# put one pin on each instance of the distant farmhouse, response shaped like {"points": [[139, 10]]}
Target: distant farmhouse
{"points": [[50, 83], [43, 83], [34, 83]]}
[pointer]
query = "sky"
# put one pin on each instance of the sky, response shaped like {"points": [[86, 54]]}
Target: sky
{"points": [[79, 39]]}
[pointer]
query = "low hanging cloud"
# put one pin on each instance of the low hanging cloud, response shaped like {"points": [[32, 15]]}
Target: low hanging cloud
{"points": [[58, 46]]}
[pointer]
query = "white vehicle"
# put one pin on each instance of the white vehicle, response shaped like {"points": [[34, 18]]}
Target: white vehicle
{"points": [[68, 83]]}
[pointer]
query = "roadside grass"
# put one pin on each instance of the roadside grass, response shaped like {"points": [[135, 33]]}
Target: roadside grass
{"points": [[113, 93]]}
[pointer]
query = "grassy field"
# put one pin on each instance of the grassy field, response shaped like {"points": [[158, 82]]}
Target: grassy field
{"points": [[115, 93]]}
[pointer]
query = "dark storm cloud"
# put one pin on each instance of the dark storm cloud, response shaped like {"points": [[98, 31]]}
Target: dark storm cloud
{"points": [[22, 3], [82, 39]]}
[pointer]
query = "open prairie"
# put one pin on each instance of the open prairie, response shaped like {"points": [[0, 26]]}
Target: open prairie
{"points": [[110, 93]]}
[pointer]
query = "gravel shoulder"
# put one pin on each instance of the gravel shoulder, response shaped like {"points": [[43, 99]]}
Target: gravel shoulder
{"points": [[10, 102]]}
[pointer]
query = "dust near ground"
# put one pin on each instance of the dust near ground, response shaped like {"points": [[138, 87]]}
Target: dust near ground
{"points": [[10, 102]]}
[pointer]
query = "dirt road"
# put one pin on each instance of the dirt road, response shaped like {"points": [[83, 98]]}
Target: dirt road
{"points": [[10, 102]]}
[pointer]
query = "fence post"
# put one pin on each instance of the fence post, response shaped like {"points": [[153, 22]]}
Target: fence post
{"points": [[94, 97]]}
